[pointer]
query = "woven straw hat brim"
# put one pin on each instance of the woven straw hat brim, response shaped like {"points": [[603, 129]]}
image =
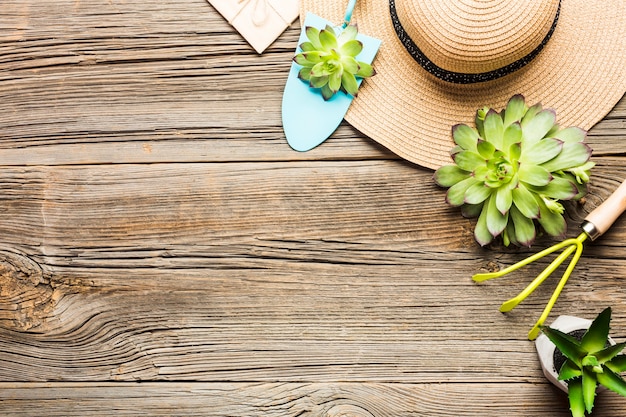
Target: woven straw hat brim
{"points": [[581, 73]]}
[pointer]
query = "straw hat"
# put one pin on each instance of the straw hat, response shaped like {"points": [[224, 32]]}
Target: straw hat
{"points": [[569, 55]]}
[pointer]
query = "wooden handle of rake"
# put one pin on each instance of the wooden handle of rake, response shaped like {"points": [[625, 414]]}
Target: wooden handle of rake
{"points": [[603, 216]]}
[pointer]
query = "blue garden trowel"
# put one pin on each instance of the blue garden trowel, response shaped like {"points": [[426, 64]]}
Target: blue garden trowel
{"points": [[308, 119]]}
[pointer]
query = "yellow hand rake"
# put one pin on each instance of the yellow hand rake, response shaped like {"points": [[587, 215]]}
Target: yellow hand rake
{"points": [[594, 225]]}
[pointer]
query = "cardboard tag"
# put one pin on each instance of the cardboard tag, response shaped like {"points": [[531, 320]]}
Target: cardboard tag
{"points": [[260, 22]]}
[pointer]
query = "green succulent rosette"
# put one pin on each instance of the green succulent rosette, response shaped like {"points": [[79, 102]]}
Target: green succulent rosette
{"points": [[513, 169], [590, 362], [329, 60]]}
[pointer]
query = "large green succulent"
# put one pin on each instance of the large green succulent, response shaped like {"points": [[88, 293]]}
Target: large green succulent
{"points": [[329, 61], [512, 170]]}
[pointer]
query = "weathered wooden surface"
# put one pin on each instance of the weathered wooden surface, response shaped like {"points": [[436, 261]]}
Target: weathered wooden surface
{"points": [[164, 252]]}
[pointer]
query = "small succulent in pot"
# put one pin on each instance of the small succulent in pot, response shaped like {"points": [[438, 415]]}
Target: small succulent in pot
{"points": [[329, 61], [513, 169], [590, 362]]}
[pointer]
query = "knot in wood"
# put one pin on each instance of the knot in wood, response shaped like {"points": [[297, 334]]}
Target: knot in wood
{"points": [[25, 294], [347, 410]]}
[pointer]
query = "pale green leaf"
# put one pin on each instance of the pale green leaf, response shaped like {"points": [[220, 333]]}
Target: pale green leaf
{"points": [[515, 110], [313, 34], [525, 201], [334, 81], [304, 74], [552, 222], [534, 175], [571, 135], [504, 198], [572, 155], [541, 151], [481, 232], [349, 83], [465, 137], [318, 82], [525, 230], [352, 48], [534, 129], [468, 160], [307, 46], [485, 149], [477, 193], [494, 129], [320, 70], [512, 135], [456, 194], [349, 64], [496, 221], [365, 70], [328, 39], [448, 175], [559, 188], [349, 33]]}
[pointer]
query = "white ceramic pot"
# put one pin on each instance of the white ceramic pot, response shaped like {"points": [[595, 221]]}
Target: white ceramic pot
{"points": [[545, 348]]}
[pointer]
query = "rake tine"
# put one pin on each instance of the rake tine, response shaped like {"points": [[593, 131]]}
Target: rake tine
{"points": [[534, 332], [490, 275], [513, 302]]}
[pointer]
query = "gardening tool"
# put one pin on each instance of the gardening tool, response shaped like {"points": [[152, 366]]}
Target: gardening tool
{"points": [[308, 119], [594, 226]]}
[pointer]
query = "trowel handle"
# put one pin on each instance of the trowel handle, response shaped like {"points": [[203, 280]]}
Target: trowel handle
{"points": [[603, 216]]}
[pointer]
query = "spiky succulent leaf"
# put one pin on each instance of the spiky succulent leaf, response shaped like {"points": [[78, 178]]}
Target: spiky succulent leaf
{"points": [[528, 162], [609, 352], [330, 60], [568, 345], [576, 399], [617, 364], [589, 363], [590, 382], [612, 381], [594, 339], [569, 370]]}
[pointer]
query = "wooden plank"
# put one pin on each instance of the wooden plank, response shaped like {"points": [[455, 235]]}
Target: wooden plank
{"points": [[263, 272], [295, 399]]}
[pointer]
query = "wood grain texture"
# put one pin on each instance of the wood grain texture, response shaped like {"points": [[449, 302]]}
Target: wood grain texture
{"points": [[294, 399], [164, 252]]}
